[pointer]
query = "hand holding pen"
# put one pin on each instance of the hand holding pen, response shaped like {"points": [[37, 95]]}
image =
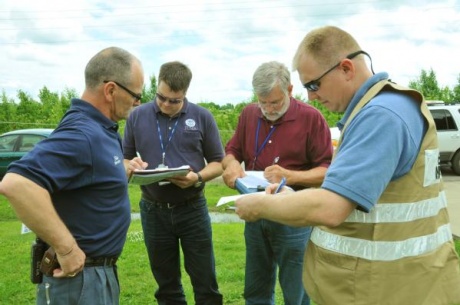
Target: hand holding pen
{"points": [[136, 163], [274, 172], [280, 186]]}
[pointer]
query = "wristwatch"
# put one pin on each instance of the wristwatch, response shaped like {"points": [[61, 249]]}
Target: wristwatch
{"points": [[200, 180]]}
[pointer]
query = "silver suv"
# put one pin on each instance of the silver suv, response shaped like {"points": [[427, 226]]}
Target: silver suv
{"points": [[447, 119]]}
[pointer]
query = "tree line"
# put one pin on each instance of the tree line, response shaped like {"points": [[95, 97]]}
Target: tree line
{"points": [[46, 112]]}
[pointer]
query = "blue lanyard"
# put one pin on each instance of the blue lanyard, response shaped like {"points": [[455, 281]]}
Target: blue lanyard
{"points": [[163, 147], [257, 150]]}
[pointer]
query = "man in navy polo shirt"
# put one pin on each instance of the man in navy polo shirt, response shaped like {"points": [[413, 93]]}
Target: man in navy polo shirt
{"points": [[171, 132], [71, 189]]}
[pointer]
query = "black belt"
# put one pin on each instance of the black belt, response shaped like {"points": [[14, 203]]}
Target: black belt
{"points": [[101, 261], [170, 205]]}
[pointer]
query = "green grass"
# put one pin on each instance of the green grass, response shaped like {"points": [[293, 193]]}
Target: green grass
{"points": [[137, 283]]}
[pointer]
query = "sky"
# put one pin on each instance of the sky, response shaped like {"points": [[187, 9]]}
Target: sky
{"points": [[48, 43]]}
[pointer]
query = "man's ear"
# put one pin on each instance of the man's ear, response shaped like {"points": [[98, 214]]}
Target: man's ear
{"points": [[348, 67], [109, 91], [289, 89]]}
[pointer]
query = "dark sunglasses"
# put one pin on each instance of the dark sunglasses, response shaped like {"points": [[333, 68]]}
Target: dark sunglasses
{"points": [[138, 97], [314, 84], [163, 99]]}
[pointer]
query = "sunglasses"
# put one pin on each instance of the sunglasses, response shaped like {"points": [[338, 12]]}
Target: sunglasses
{"points": [[164, 99], [314, 84], [136, 96]]}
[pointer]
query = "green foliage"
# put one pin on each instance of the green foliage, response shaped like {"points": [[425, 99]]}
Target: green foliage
{"points": [[148, 93], [331, 117], [456, 91], [25, 112], [427, 84]]}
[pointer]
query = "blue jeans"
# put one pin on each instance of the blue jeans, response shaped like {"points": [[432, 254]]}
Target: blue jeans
{"points": [[270, 245], [188, 226], [94, 285]]}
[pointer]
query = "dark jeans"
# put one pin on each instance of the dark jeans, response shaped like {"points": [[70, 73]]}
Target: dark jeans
{"points": [[270, 245], [188, 226]]}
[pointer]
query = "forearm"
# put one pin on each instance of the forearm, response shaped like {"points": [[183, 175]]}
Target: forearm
{"points": [[228, 161], [309, 178], [32, 205], [306, 208], [211, 171]]}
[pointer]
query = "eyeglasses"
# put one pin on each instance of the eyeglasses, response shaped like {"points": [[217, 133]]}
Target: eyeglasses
{"points": [[272, 105], [163, 99], [138, 97], [314, 84]]}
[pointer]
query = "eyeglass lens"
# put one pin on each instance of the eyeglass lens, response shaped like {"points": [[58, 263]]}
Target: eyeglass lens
{"points": [[163, 99]]}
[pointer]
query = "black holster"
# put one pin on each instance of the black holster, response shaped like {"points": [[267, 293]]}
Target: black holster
{"points": [[38, 250]]}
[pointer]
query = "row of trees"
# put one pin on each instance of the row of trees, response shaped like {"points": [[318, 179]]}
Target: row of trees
{"points": [[25, 112]]}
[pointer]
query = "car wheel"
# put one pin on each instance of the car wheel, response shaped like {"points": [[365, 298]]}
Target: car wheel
{"points": [[456, 163]]}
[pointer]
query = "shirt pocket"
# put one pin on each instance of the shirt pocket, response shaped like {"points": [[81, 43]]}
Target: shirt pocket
{"points": [[192, 142]]}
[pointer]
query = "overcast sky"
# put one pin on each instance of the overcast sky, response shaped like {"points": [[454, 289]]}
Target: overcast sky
{"points": [[48, 43]]}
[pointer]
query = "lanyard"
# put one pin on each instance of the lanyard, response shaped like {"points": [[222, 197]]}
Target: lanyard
{"points": [[258, 150], [163, 147]]}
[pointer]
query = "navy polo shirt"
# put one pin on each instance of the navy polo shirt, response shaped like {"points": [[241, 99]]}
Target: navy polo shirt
{"points": [[81, 165], [194, 142]]}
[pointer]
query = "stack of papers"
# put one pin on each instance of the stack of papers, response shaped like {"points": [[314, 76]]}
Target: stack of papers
{"points": [[149, 176], [254, 181]]}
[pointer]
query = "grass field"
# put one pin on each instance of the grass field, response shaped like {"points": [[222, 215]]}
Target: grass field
{"points": [[136, 281]]}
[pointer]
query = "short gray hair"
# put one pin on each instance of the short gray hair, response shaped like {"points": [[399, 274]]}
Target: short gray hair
{"points": [[268, 75], [113, 63]]}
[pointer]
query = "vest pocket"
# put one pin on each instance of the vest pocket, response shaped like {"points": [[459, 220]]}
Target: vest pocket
{"points": [[329, 278]]}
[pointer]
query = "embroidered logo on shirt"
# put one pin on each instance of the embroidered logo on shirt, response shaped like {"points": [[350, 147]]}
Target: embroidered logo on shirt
{"points": [[116, 160], [190, 124]]}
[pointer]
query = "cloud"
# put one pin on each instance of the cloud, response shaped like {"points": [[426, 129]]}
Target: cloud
{"points": [[48, 43]]}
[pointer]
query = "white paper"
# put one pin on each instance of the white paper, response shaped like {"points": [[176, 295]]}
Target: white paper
{"points": [[149, 176], [227, 199]]}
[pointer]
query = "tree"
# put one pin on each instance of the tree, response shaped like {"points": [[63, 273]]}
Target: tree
{"points": [[51, 107], [148, 93], [427, 84], [456, 91]]}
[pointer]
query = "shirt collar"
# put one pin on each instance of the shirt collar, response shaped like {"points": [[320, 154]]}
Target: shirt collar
{"points": [[359, 95], [93, 113]]}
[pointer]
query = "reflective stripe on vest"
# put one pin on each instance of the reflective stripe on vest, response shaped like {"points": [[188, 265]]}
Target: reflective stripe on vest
{"points": [[400, 212], [381, 250]]}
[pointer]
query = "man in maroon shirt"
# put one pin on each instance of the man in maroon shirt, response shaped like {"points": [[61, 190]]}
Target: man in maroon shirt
{"points": [[286, 138]]}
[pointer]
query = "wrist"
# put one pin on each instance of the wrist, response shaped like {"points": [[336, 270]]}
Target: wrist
{"points": [[65, 252], [199, 180]]}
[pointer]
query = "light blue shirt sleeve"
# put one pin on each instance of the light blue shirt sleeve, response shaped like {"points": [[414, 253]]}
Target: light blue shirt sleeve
{"points": [[380, 144]]}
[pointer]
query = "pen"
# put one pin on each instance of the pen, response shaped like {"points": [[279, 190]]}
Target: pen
{"points": [[280, 186], [275, 161], [138, 155]]}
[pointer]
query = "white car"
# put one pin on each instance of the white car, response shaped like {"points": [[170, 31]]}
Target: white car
{"points": [[447, 120]]}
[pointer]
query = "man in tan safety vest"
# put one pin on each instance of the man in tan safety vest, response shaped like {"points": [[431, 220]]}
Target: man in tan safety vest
{"points": [[382, 233]]}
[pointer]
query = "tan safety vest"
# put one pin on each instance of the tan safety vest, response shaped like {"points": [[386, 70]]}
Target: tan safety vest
{"points": [[401, 252]]}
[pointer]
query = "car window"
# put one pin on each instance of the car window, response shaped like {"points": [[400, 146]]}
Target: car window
{"points": [[7, 143], [443, 119], [28, 142]]}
